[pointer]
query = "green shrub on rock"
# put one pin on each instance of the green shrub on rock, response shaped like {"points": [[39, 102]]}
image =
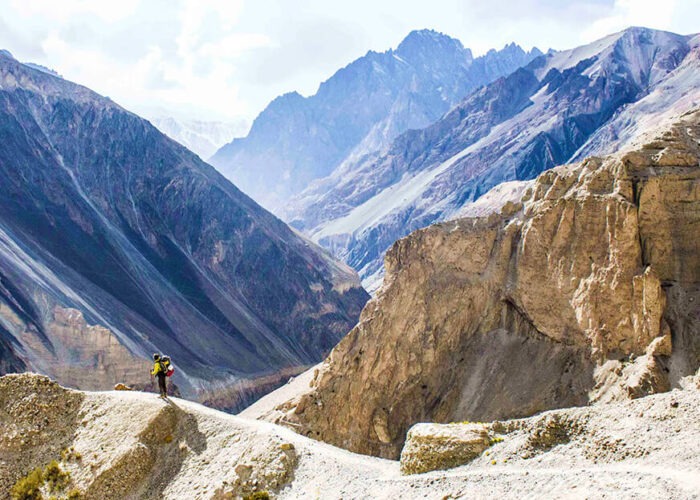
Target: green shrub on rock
{"points": [[258, 495], [29, 487], [51, 480], [56, 479]]}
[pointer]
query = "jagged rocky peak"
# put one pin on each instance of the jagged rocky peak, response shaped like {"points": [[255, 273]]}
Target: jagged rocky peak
{"points": [[512, 49], [644, 55], [421, 45], [297, 140], [586, 290], [280, 107], [511, 54], [117, 242]]}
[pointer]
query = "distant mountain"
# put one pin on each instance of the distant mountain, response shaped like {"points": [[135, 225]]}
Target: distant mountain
{"points": [[560, 107], [201, 137], [7, 53], [41, 68], [361, 108], [116, 242]]}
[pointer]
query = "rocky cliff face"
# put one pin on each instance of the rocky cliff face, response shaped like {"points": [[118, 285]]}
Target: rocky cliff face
{"points": [[593, 98], [81, 355], [588, 290], [362, 107], [116, 242]]}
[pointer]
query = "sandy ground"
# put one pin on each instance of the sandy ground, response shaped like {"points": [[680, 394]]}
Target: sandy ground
{"points": [[134, 445]]}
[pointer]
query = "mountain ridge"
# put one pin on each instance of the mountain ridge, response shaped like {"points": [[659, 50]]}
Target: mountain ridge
{"points": [[126, 443], [570, 95], [104, 215], [298, 139]]}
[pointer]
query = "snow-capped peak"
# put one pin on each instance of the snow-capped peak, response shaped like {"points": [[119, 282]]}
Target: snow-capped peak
{"points": [[642, 49], [427, 41]]}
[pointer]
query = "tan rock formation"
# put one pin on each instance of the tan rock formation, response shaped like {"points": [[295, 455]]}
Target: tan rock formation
{"points": [[130, 444], [434, 446], [85, 356], [588, 290]]}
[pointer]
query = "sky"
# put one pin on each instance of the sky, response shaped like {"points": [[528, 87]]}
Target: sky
{"points": [[226, 59]]}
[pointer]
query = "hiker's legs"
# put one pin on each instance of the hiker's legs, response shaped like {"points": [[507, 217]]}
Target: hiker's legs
{"points": [[162, 386]]}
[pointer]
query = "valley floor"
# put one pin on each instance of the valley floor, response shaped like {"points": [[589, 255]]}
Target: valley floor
{"points": [[134, 445]]}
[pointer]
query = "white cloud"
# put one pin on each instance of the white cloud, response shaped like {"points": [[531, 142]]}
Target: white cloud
{"points": [[233, 45], [226, 59], [116, 49], [626, 13], [65, 10]]}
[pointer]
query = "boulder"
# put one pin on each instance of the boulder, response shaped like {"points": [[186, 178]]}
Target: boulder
{"points": [[432, 447]]}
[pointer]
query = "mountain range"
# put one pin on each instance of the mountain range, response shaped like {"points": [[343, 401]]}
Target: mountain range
{"points": [[558, 108], [360, 109], [116, 242], [201, 137], [536, 333]]}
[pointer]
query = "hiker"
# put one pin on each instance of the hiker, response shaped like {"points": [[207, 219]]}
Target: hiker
{"points": [[159, 371]]}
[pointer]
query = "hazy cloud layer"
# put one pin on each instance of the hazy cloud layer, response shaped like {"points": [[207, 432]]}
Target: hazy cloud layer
{"points": [[227, 59]]}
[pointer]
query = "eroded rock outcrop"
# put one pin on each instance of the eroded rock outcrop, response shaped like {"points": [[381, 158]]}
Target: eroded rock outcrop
{"points": [[132, 445], [586, 291], [614, 433], [80, 355]]}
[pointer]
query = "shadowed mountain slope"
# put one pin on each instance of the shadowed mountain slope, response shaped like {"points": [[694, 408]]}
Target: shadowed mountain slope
{"points": [[115, 242]]}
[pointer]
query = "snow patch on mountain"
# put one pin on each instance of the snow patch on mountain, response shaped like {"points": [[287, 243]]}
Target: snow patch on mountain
{"points": [[569, 58], [494, 200], [199, 136], [677, 94], [43, 69]]}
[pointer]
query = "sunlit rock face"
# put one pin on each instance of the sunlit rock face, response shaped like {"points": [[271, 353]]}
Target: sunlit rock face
{"points": [[585, 291], [153, 250]]}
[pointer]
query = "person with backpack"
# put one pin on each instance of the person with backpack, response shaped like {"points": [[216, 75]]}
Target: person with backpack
{"points": [[162, 368]]}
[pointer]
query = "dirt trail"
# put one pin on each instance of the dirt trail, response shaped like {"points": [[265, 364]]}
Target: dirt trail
{"points": [[134, 445]]}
